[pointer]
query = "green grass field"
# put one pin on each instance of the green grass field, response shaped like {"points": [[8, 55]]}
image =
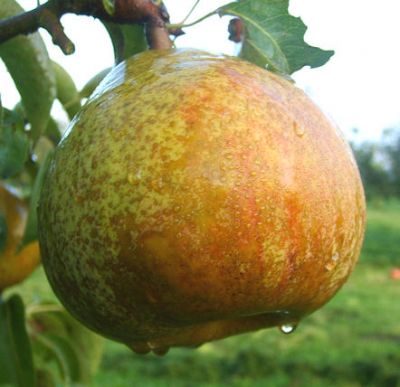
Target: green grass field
{"points": [[353, 341]]}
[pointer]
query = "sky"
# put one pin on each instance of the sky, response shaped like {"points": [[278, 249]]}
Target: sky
{"points": [[358, 87]]}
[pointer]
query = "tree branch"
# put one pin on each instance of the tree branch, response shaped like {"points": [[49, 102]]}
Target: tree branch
{"points": [[24, 23], [52, 24], [125, 12]]}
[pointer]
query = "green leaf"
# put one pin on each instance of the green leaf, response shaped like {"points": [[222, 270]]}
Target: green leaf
{"points": [[16, 362], [3, 232], [67, 92], [14, 151], [44, 378], [1, 114], [53, 131], [109, 6], [134, 39], [117, 40], [27, 60], [59, 349], [273, 37], [14, 144], [30, 233], [91, 85], [82, 355], [66, 356], [127, 40]]}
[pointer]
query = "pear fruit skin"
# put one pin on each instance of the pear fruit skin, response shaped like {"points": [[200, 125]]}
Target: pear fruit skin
{"points": [[15, 264], [197, 196]]}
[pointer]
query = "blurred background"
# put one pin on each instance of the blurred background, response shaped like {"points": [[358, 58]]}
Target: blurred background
{"points": [[355, 339]]}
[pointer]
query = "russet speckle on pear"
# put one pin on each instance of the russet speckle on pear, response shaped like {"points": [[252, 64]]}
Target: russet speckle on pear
{"points": [[198, 196]]}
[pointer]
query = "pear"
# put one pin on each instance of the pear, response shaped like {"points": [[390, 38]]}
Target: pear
{"points": [[197, 196], [16, 263]]}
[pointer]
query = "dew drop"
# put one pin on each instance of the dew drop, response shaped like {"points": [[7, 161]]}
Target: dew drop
{"points": [[288, 328], [332, 263], [299, 130]]}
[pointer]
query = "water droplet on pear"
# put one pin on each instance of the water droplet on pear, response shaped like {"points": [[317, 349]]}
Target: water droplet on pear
{"points": [[333, 262], [298, 129], [288, 328]]}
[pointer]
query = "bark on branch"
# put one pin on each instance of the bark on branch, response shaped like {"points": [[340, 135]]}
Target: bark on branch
{"points": [[125, 12]]}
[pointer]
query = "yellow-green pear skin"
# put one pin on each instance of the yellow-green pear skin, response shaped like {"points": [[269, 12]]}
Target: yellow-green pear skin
{"points": [[197, 196]]}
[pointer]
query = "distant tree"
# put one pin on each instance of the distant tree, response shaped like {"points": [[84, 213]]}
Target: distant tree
{"points": [[374, 176], [379, 164], [391, 149]]}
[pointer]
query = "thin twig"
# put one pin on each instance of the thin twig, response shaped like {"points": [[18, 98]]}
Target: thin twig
{"points": [[190, 12], [178, 31], [126, 12], [23, 23], [173, 26]]}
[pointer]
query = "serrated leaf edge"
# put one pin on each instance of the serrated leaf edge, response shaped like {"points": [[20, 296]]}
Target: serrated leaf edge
{"points": [[256, 25]]}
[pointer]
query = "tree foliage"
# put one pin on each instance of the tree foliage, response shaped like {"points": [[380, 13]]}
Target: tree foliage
{"points": [[379, 164]]}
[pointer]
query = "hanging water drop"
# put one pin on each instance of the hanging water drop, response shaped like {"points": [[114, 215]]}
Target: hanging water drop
{"points": [[288, 328]]}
